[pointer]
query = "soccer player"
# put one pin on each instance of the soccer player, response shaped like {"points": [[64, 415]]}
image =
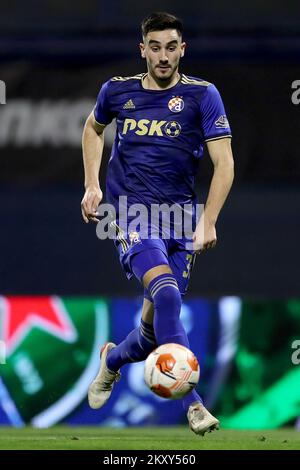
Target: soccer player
{"points": [[163, 120]]}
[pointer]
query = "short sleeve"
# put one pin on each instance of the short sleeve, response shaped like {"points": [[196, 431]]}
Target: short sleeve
{"points": [[214, 121], [102, 112]]}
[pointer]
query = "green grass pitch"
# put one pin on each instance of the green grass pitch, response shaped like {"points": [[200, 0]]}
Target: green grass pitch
{"points": [[148, 438]]}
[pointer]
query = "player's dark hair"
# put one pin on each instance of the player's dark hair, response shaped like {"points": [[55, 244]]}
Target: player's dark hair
{"points": [[159, 21]]}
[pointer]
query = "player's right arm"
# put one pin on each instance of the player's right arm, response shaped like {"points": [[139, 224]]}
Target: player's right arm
{"points": [[92, 147]]}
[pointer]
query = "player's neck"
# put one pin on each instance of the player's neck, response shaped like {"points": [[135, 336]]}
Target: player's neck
{"points": [[153, 83]]}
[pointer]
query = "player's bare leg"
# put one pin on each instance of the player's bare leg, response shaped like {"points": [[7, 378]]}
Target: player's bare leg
{"points": [[101, 388], [148, 311]]}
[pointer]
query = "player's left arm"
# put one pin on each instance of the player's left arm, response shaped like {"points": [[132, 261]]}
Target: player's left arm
{"points": [[220, 152]]}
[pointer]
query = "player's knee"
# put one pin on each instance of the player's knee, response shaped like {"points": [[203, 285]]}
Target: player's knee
{"points": [[165, 293], [168, 294], [154, 273], [148, 264]]}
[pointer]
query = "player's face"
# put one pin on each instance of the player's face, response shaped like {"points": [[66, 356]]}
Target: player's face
{"points": [[162, 51]]}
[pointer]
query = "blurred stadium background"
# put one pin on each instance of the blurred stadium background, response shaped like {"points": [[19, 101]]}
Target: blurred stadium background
{"points": [[62, 290]]}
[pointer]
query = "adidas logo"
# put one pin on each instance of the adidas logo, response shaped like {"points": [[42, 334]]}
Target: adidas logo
{"points": [[129, 105]]}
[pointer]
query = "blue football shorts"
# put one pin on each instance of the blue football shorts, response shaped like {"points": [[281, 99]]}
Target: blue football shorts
{"points": [[155, 252]]}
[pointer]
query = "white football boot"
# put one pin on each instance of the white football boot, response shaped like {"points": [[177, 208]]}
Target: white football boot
{"points": [[200, 420], [101, 387]]}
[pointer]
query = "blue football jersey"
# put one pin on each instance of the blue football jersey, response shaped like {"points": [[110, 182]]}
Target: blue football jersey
{"points": [[160, 137]]}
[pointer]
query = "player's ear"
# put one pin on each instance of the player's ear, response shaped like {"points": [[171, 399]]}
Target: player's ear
{"points": [[183, 46], [142, 49]]}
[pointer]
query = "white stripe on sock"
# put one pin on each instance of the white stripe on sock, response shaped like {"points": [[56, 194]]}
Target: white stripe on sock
{"points": [[164, 283]]}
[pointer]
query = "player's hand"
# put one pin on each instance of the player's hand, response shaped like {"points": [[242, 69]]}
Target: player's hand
{"points": [[89, 204], [205, 236]]}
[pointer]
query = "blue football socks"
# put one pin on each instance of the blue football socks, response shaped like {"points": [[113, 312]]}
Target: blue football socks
{"points": [[167, 305], [167, 324], [135, 348], [167, 328]]}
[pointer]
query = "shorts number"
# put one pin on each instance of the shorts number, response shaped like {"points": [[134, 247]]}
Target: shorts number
{"points": [[190, 262]]}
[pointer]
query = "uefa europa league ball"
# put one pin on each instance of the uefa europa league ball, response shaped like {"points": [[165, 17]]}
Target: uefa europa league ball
{"points": [[171, 371]]}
